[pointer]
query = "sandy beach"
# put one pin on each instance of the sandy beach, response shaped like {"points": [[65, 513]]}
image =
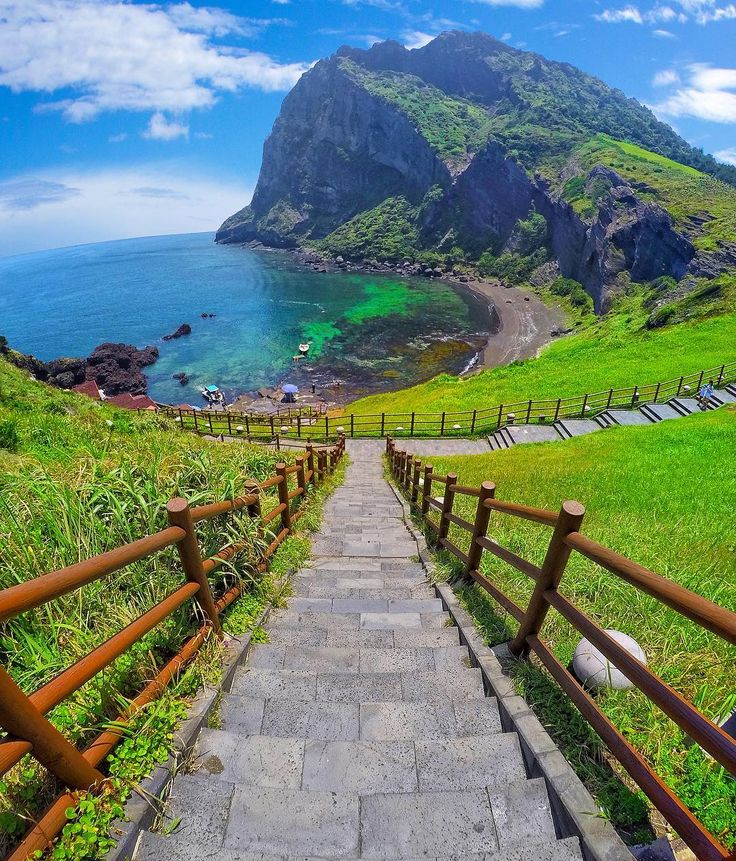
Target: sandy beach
{"points": [[524, 324]]}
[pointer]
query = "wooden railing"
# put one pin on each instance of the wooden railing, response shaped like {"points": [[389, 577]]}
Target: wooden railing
{"points": [[483, 420], [22, 716], [418, 482]]}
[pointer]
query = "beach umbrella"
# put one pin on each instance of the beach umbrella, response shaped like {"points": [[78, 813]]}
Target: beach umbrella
{"points": [[290, 388]]}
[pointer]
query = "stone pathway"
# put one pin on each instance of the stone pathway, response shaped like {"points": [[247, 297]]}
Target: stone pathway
{"points": [[360, 730]]}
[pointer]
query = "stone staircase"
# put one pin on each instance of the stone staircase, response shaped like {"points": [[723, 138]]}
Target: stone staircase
{"points": [[360, 730], [567, 428]]}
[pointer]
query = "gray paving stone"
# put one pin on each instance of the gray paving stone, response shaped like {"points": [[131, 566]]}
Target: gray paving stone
{"points": [[363, 767], [365, 687], [451, 658], [406, 721], [267, 657], [281, 635], [431, 824], [243, 715], [415, 605], [379, 621], [473, 762], [320, 621], [326, 721], [275, 684], [359, 605], [432, 637], [203, 806], [326, 659], [396, 660], [430, 686], [477, 717], [313, 605], [364, 639], [521, 809], [257, 760], [322, 824]]}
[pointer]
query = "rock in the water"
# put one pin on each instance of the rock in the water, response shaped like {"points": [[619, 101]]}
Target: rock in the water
{"points": [[116, 368], [184, 329], [182, 377]]}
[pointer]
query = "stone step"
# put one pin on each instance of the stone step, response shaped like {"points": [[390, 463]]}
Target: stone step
{"points": [[509, 821], [358, 621], [282, 635], [685, 406], [155, 847], [568, 428], [309, 686], [366, 605], [379, 721], [363, 547], [628, 418], [336, 659], [366, 580], [724, 396], [349, 566], [660, 412], [317, 589]]}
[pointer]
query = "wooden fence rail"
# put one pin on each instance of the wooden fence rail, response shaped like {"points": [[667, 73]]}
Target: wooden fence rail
{"points": [[418, 482], [482, 420], [22, 716]]}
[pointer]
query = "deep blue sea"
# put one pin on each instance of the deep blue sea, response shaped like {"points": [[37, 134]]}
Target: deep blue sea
{"points": [[371, 332]]}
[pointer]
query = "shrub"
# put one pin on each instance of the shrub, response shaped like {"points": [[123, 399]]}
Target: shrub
{"points": [[9, 436]]}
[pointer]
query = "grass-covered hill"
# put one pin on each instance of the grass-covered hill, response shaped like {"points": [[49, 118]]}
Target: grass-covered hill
{"points": [[78, 478], [441, 155], [662, 495]]}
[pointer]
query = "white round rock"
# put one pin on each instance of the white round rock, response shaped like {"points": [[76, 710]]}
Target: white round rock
{"points": [[594, 670]]}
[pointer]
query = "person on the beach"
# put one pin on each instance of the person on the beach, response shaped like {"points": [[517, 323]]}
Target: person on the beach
{"points": [[706, 393]]}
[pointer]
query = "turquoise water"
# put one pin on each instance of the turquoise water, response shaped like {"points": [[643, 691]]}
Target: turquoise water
{"points": [[371, 332]]}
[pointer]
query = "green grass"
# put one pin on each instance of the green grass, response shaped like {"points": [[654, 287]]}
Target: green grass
{"points": [[76, 479], [683, 191], [453, 127], [664, 496], [613, 351]]}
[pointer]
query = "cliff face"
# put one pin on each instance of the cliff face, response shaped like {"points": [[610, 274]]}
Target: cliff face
{"points": [[473, 136]]}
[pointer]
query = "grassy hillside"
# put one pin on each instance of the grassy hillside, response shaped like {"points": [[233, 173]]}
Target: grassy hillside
{"points": [[663, 495], [700, 205], [76, 479], [612, 351]]}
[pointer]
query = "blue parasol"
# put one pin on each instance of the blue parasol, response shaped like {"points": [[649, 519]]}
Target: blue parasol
{"points": [[290, 388]]}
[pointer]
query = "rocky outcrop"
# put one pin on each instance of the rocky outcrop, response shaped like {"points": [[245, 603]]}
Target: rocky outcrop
{"points": [[116, 368], [358, 129], [184, 329]]}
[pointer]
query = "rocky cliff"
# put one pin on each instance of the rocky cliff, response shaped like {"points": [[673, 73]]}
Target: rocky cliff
{"points": [[452, 146]]}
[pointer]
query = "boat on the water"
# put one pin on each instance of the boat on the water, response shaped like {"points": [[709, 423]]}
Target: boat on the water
{"points": [[304, 348], [213, 395]]}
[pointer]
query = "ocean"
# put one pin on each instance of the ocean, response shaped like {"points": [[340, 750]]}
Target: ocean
{"points": [[369, 332]]}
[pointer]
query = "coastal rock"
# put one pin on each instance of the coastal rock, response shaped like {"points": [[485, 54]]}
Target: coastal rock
{"points": [[182, 377], [184, 329], [116, 368]]}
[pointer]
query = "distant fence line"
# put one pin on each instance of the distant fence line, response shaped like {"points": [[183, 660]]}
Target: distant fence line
{"points": [[308, 424]]}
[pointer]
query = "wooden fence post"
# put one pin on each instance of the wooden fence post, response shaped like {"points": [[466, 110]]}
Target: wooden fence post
{"points": [[383, 422], [427, 489], [446, 508], [472, 423], [310, 462], [23, 720], [415, 482], [407, 472], [720, 376], [480, 526], [180, 515], [300, 477], [284, 496], [569, 520]]}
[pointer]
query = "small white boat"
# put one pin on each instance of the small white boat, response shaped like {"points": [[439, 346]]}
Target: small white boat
{"points": [[304, 348], [213, 395]]}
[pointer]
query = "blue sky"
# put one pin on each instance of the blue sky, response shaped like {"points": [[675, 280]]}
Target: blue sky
{"points": [[126, 119]]}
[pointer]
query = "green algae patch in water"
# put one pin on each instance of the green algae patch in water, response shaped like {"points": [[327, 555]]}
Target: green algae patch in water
{"points": [[319, 333], [385, 300]]}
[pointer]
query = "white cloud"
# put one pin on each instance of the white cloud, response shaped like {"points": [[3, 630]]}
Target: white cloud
{"points": [[74, 207], [727, 155], [118, 138], [630, 14], [665, 78], [114, 55], [708, 94], [161, 129], [663, 34], [506, 37], [416, 39]]}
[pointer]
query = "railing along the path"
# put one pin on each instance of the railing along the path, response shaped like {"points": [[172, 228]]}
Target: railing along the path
{"points": [[418, 480], [483, 420], [22, 716]]}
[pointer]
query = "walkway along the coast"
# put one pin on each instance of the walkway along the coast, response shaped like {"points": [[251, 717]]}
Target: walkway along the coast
{"points": [[361, 730]]}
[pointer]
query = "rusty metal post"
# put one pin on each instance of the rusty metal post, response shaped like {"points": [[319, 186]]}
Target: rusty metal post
{"points": [[427, 489], [284, 495], [480, 526], [22, 719], [446, 508], [180, 515], [569, 520]]}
